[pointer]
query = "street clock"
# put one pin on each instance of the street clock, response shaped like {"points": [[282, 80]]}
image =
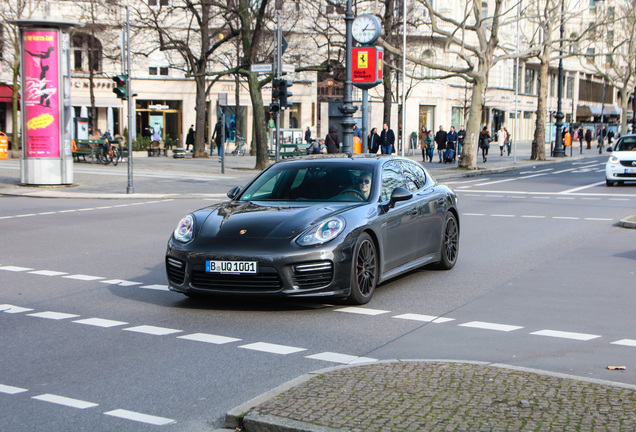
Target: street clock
{"points": [[366, 29]]}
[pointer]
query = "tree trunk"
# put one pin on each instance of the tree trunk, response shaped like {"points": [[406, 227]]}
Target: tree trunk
{"points": [[259, 135], [624, 91], [200, 107], [473, 126], [538, 143], [15, 128]]}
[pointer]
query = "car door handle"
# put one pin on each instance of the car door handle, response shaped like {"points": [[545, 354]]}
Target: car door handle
{"points": [[440, 201], [414, 212]]}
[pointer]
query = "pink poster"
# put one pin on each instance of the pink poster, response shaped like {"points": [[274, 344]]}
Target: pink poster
{"points": [[41, 96]]}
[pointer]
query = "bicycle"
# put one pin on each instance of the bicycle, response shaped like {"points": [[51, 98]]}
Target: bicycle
{"points": [[109, 156], [239, 149]]}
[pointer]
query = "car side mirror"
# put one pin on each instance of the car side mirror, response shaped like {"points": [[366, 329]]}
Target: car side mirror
{"points": [[399, 194], [233, 193], [609, 149]]}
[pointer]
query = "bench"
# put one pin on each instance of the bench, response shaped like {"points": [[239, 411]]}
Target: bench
{"points": [[92, 148], [286, 150]]}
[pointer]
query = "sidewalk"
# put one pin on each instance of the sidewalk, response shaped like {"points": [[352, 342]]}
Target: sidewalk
{"points": [[167, 178]]}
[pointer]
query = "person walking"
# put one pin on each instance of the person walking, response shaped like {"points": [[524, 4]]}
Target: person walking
{"points": [[461, 136], [190, 138], [588, 138], [501, 140], [331, 140], [221, 131], [422, 140], [308, 136], [580, 135], [440, 140], [387, 139], [508, 146], [484, 142], [430, 145], [451, 141], [373, 141]]}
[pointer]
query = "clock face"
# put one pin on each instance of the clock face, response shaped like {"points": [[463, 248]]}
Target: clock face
{"points": [[366, 29]]}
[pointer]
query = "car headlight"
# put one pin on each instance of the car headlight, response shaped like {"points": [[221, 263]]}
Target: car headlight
{"points": [[185, 229], [613, 159], [323, 232]]}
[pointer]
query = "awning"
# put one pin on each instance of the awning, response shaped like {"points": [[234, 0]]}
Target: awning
{"points": [[6, 93], [595, 110]]}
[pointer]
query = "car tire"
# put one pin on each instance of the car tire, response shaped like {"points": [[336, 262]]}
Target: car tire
{"points": [[450, 243], [609, 183], [364, 271]]}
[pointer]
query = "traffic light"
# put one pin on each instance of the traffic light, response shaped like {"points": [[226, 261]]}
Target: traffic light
{"points": [[284, 94], [121, 88]]}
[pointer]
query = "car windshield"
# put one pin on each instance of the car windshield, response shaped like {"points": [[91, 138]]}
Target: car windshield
{"points": [[312, 182], [626, 144]]}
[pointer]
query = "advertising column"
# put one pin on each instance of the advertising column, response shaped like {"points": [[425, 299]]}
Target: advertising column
{"points": [[46, 157]]}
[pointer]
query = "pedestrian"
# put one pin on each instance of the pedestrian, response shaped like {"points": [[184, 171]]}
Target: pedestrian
{"points": [[422, 139], [387, 139], [308, 136], [430, 145], [567, 138], [580, 135], [218, 136], [315, 147], [440, 140], [190, 138], [331, 140], [461, 135], [357, 132], [484, 142], [373, 141], [451, 141], [507, 140], [501, 140], [588, 138], [610, 137]]}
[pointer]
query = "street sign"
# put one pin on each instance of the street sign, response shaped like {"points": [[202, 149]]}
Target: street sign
{"points": [[262, 67], [289, 68]]}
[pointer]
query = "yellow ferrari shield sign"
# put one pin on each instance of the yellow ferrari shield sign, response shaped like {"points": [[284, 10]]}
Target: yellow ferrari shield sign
{"points": [[363, 59]]}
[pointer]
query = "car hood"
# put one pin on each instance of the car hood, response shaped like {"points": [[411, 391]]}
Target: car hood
{"points": [[244, 220], [625, 155]]}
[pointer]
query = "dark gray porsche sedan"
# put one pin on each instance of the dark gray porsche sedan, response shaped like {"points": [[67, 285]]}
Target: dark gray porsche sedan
{"points": [[330, 227]]}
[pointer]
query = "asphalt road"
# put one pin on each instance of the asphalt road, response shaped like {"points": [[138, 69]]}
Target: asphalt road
{"points": [[91, 340]]}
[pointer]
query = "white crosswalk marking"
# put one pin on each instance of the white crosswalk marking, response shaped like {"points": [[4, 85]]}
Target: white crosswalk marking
{"points": [[100, 322], [53, 315], [490, 326], [83, 277], [48, 273], [566, 335], [61, 400], [626, 342], [11, 390], [209, 338], [15, 268], [139, 417], [362, 311], [152, 330], [341, 358], [272, 348], [423, 318], [6, 308]]}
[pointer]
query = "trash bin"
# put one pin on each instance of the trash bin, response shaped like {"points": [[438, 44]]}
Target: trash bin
{"points": [[357, 145], [4, 146]]}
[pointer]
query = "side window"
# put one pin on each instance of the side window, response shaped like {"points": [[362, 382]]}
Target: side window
{"points": [[391, 178], [414, 176]]}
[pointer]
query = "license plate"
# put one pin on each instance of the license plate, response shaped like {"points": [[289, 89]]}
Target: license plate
{"points": [[630, 170], [235, 267]]}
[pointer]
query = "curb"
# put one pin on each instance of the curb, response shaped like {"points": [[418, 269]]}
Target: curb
{"points": [[628, 222]]}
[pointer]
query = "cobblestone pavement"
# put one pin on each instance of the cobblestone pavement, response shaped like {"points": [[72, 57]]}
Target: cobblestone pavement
{"points": [[446, 396]]}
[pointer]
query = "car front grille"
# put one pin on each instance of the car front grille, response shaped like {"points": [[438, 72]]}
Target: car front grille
{"points": [[312, 275], [626, 175], [267, 279], [627, 163], [176, 270]]}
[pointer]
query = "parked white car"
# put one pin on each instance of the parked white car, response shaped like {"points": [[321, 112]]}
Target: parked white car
{"points": [[621, 165]]}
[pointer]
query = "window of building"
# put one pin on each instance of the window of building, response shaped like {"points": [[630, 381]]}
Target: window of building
{"points": [[592, 6], [87, 53], [610, 37], [152, 70], [163, 71], [569, 88], [336, 7], [160, 2], [529, 82], [484, 10], [610, 13], [553, 78]]}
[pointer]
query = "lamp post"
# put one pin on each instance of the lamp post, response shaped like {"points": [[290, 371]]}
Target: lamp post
{"points": [[558, 145], [634, 111], [347, 108]]}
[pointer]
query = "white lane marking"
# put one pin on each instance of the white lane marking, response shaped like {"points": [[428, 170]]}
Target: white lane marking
{"points": [[566, 335], [86, 209], [53, 315], [496, 182], [467, 181], [619, 199], [547, 194], [536, 172], [209, 338], [11, 390], [541, 197], [424, 318], [565, 198], [502, 215], [565, 170], [15, 268], [591, 199], [7, 308], [599, 219], [67, 211], [152, 330], [83, 277], [46, 213], [25, 215], [565, 217], [473, 214], [490, 326], [120, 282], [156, 287], [362, 311], [140, 417], [272, 348], [48, 273], [341, 358], [61, 400], [100, 322], [533, 216], [582, 187], [626, 342]]}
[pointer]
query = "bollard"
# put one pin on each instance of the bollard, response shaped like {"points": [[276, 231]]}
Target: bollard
{"points": [[4, 146]]}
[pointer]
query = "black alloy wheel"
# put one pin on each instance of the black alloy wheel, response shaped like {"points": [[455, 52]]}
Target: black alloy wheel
{"points": [[450, 243], [364, 276]]}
